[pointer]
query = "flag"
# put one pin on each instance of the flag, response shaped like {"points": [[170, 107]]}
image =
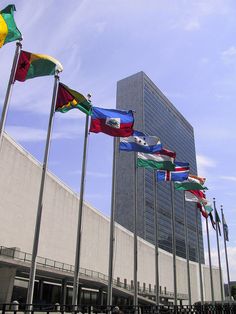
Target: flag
{"points": [[32, 65], [180, 173], [156, 161], [225, 228], [213, 223], [218, 221], [196, 179], [208, 207], [140, 142], [202, 210], [188, 185], [8, 29], [196, 196], [193, 183], [68, 99], [206, 211], [112, 122]]}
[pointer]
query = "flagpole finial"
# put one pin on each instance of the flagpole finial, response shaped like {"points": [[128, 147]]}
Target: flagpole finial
{"points": [[18, 43], [89, 96], [56, 75]]}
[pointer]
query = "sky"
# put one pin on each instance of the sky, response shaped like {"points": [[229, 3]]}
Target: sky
{"points": [[187, 48]]}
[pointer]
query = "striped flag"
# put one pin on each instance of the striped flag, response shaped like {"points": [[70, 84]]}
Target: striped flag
{"points": [[225, 228], [180, 173], [162, 160], [118, 123], [140, 142]]}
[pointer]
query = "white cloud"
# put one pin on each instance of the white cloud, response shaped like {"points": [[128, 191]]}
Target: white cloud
{"points": [[94, 174], [192, 25], [229, 178], [203, 163], [194, 15], [26, 134], [30, 134], [215, 133], [229, 55]]}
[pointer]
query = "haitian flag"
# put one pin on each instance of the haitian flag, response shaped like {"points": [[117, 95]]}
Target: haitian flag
{"points": [[118, 123], [180, 173], [140, 142]]}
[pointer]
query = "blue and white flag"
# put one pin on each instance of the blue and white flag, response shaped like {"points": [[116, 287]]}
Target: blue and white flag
{"points": [[225, 229], [140, 142], [180, 173]]}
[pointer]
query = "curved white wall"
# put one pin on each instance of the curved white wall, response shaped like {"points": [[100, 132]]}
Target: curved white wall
{"points": [[19, 185]]}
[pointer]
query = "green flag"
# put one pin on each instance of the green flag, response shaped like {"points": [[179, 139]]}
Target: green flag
{"points": [[8, 29], [187, 186], [218, 221], [68, 99]]}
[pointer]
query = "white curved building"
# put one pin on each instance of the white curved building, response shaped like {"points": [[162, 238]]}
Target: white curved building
{"points": [[20, 177]]}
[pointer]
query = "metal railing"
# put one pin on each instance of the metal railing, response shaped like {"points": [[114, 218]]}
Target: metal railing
{"points": [[16, 254], [217, 308]]}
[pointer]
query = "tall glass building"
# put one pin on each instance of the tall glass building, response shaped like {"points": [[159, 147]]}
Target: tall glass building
{"points": [[155, 115]]}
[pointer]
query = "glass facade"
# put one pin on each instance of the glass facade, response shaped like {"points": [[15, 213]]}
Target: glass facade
{"points": [[155, 115]]}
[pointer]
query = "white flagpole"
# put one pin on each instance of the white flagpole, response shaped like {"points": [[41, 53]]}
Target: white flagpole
{"points": [[199, 258], [156, 239], [135, 234], [218, 250], [80, 215], [187, 250], [210, 265], [41, 193], [173, 242], [112, 222], [226, 253], [9, 89]]}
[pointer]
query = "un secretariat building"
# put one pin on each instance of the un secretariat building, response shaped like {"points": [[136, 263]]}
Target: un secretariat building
{"points": [[155, 115], [20, 175]]}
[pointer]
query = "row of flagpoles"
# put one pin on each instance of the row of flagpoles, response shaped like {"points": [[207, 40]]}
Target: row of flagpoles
{"points": [[148, 153]]}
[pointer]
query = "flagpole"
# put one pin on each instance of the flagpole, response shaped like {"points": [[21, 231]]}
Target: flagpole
{"points": [[173, 241], [9, 89], [199, 258], [187, 250], [156, 238], [226, 253], [80, 215], [135, 234], [210, 265], [30, 291], [218, 250], [112, 221]]}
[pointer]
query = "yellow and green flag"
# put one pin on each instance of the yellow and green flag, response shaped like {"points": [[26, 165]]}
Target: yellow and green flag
{"points": [[68, 99], [8, 29]]}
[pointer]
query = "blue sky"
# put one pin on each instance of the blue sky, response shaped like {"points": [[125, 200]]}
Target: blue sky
{"points": [[188, 49]]}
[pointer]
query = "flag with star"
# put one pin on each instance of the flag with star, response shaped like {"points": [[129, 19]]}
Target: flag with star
{"points": [[32, 65]]}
